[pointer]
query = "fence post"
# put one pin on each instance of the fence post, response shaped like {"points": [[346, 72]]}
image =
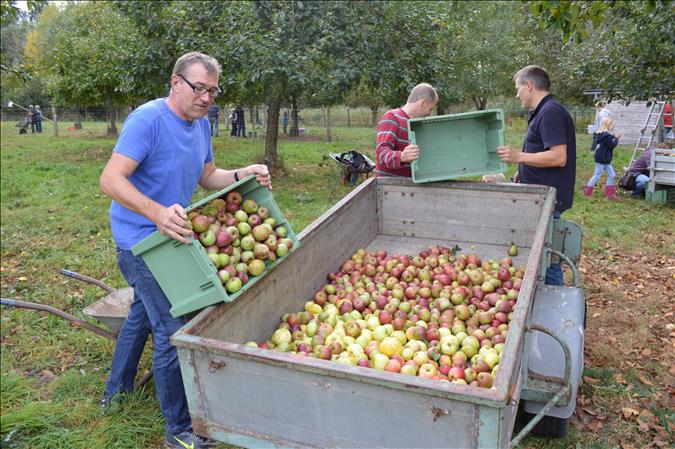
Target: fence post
{"points": [[56, 123]]}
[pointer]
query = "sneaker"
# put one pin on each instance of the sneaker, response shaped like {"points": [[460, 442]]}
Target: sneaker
{"points": [[187, 440], [110, 402]]}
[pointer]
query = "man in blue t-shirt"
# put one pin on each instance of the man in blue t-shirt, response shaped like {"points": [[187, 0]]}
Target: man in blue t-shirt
{"points": [[163, 152], [549, 153]]}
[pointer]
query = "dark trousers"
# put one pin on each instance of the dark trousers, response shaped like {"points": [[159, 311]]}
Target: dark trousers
{"points": [[33, 127], [233, 133], [241, 129], [554, 273], [39, 126]]}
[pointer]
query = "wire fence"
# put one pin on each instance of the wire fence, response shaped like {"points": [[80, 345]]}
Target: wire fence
{"points": [[256, 117]]}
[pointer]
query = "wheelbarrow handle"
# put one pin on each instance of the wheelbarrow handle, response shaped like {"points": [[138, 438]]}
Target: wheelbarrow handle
{"points": [[81, 277], [60, 313]]}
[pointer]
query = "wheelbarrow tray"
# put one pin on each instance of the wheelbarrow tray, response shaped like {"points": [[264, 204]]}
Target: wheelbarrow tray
{"points": [[112, 309]]}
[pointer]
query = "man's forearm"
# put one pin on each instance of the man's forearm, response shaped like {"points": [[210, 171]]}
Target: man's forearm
{"points": [[218, 179], [553, 157]]}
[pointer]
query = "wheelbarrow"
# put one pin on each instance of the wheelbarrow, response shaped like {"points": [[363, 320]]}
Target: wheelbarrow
{"points": [[353, 165], [110, 310], [22, 124]]}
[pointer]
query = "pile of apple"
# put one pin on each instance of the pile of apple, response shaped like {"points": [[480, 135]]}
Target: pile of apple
{"points": [[239, 237], [434, 315]]}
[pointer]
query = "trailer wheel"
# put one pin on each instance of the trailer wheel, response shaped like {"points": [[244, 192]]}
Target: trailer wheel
{"points": [[549, 426]]}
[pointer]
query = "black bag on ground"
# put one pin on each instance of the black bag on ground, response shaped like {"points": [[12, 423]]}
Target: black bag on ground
{"points": [[627, 182]]}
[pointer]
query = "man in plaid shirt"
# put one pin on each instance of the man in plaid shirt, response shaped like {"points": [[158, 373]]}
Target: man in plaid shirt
{"points": [[393, 152]]}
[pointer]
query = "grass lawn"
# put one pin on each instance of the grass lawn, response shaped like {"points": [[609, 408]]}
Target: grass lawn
{"points": [[54, 216]]}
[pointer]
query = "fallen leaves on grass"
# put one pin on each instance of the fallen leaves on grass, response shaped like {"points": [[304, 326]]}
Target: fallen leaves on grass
{"points": [[628, 412], [630, 333]]}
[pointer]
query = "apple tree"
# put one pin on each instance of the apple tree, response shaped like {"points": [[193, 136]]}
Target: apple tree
{"points": [[481, 45], [276, 52], [624, 48], [86, 57], [399, 48]]}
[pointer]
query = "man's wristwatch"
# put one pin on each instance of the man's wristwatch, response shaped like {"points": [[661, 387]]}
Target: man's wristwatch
{"points": [[236, 175]]}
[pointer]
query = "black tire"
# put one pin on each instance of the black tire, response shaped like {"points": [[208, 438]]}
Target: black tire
{"points": [[549, 426]]}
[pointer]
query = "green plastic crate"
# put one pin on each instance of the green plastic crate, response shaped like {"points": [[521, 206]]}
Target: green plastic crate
{"points": [[185, 273], [457, 145], [663, 196]]}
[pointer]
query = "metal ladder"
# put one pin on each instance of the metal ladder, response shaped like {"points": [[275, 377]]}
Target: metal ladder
{"points": [[651, 123]]}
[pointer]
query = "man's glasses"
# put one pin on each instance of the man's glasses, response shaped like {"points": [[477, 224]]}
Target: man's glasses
{"points": [[201, 90]]}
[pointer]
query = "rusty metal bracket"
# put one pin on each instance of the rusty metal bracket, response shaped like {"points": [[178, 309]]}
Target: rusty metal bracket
{"points": [[438, 412], [215, 366]]}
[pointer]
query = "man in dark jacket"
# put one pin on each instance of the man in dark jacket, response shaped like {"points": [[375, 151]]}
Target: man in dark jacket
{"points": [[213, 119], [549, 152], [241, 123]]}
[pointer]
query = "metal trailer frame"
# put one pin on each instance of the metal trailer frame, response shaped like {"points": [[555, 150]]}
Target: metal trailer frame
{"points": [[253, 397]]}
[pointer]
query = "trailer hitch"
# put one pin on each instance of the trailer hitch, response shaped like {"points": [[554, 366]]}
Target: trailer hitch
{"points": [[564, 389]]}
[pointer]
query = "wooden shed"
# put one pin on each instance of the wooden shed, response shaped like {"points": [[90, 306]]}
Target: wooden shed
{"points": [[630, 120]]}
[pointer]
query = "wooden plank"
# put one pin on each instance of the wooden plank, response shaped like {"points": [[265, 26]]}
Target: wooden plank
{"points": [[490, 217]]}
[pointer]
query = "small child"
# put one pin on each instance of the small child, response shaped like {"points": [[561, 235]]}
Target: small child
{"points": [[603, 158]]}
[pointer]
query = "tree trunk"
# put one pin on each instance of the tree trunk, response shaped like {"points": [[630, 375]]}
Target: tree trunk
{"points": [[349, 122], [294, 131], [78, 122], [251, 112], [112, 128], [272, 135], [479, 102], [328, 135], [373, 111], [55, 121]]}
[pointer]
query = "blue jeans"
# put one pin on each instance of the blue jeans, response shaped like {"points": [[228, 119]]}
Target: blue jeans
{"points": [[599, 168], [149, 312], [640, 184], [554, 273], [214, 127]]}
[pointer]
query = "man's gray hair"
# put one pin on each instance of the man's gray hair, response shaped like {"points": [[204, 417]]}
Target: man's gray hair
{"points": [[536, 75], [188, 59], [423, 91]]}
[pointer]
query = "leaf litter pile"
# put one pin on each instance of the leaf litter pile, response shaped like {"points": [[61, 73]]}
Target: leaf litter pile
{"points": [[627, 397]]}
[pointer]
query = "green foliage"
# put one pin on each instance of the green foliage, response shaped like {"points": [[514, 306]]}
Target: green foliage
{"points": [[398, 48], [480, 46], [165, 30], [10, 12], [91, 43], [624, 48], [12, 62]]}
